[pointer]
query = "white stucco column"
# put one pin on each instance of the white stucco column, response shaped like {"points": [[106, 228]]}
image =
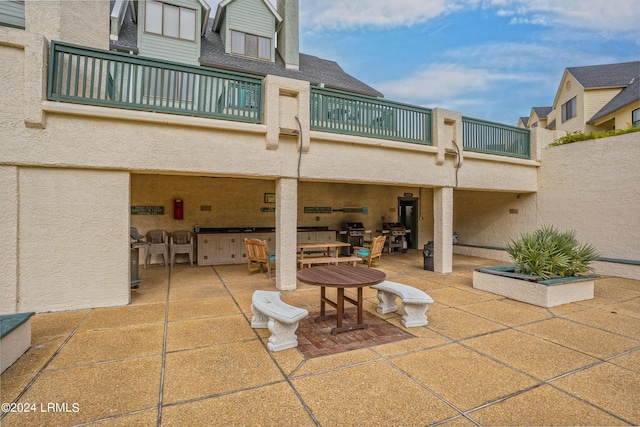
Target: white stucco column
{"points": [[443, 229], [286, 233]]}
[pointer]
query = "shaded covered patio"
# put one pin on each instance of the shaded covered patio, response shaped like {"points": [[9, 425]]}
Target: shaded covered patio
{"points": [[183, 353]]}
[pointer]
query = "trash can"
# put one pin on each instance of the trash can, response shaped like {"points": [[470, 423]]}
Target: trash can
{"points": [[427, 255]]}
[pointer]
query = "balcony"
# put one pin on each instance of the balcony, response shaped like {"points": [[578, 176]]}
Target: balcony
{"points": [[111, 79], [95, 77], [341, 112]]}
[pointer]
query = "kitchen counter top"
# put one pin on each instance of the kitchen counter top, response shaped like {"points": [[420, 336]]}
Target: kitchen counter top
{"points": [[209, 230]]}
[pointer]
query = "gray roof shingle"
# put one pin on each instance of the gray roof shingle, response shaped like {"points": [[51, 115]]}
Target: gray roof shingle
{"points": [[312, 69], [606, 75], [625, 75], [542, 112]]}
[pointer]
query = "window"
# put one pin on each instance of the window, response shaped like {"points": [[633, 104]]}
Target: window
{"points": [[635, 118], [250, 45], [169, 20], [569, 109]]}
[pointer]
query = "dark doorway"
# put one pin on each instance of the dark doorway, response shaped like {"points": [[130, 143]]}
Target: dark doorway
{"points": [[408, 216]]}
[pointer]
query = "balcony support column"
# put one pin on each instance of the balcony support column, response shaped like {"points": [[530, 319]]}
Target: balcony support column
{"points": [[286, 233], [443, 229]]}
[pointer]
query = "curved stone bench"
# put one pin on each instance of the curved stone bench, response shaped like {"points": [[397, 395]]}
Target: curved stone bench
{"points": [[269, 311], [15, 337], [414, 302]]}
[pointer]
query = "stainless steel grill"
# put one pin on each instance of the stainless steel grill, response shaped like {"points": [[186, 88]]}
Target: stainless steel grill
{"points": [[352, 233], [396, 233]]}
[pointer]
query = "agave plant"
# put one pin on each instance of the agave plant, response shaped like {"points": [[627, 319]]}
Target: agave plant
{"points": [[548, 252]]}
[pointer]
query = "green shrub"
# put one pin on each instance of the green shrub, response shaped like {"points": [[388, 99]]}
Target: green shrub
{"points": [[579, 136], [548, 252]]}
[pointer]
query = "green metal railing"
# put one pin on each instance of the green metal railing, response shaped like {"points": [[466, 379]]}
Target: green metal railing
{"points": [[111, 79], [342, 112], [493, 138]]}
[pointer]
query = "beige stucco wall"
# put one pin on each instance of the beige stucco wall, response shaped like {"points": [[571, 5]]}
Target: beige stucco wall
{"points": [[73, 239], [77, 21], [65, 170], [492, 219], [9, 231], [237, 202], [591, 187]]}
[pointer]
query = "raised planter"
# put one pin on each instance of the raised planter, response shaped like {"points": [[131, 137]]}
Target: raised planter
{"points": [[533, 289], [15, 337]]}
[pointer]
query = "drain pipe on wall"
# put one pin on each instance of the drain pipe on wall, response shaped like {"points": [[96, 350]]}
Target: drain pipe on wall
{"points": [[300, 148], [458, 165]]}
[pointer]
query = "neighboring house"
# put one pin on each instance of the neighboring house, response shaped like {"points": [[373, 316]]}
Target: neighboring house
{"points": [[598, 97], [538, 117], [522, 122]]}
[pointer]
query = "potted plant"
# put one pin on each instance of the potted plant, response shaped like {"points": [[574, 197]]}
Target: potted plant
{"points": [[550, 269]]}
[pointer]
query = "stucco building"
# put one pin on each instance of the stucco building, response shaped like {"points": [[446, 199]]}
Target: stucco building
{"points": [[107, 118]]}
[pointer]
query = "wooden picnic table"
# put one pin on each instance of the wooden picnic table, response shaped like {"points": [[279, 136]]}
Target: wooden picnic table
{"points": [[320, 245], [341, 277]]}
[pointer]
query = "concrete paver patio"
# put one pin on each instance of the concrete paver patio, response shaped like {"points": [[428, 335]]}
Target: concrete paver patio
{"points": [[183, 353]]}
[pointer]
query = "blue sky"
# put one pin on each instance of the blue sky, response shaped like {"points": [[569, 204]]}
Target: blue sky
{"points": [[488, 59]]}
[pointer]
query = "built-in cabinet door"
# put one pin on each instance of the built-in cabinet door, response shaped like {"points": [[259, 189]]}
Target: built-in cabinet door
{"points": [[204, 249], [229, 248], [307, 237], [325, 236]]}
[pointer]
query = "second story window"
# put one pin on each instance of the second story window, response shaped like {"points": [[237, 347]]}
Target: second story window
{"points": [[635, 118], [250, 45], [169, 20], [569, 109]]}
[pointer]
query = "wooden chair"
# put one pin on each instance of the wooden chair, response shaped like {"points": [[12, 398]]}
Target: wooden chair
{"points": [[258, 256], [371, 253]]}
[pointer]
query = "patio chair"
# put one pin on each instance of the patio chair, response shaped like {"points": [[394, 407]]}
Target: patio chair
{"points": [[181, 243], [258, 256], [159, 245], [371, 254]]}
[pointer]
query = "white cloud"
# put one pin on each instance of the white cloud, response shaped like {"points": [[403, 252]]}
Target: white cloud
{"points": [[355, 14], [435, 82], [620, 16], [599, 15]]}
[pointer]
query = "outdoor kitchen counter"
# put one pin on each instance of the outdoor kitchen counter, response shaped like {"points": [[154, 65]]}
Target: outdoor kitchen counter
{"points": [[209, 230], [220, 245]]}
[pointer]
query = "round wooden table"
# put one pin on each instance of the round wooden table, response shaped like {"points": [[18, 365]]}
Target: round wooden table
{"points": [[341, 277]]}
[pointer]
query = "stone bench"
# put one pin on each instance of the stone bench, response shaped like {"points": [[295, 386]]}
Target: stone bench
{"points": [[269, 311], [15, 337], [414, 302], [307, 262]]}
